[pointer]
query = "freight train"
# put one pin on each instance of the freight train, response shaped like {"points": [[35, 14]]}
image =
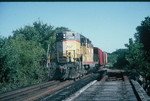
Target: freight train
{"points": [[76, 56]]}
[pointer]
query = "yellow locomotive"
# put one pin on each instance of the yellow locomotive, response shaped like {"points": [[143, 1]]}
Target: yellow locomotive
{"points": [[74, 55]]}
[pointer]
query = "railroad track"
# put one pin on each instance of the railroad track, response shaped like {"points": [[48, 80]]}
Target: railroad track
{"points": [[67, 91], [34, 92], [37, 91]]}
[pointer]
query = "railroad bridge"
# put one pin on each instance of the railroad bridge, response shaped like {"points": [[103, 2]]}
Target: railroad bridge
{"points": [[112, 85]]}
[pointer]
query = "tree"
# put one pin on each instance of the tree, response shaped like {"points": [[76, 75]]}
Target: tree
{"points": [[43, 34], [39, 32], [143, 36], [121, 61], [135, 56], [139, 52], [23, 55], [2, 57], [22, 62]]}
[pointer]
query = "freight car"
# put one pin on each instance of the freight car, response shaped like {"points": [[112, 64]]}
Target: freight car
{"points": [[98, 56], [104, 58], [76, 56]]}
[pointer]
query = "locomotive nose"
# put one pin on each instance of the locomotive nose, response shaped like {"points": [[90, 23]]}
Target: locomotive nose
{"points": [[63, 69]]}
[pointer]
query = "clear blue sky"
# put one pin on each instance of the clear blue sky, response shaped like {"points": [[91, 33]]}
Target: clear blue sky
{"points": [[109, 25]]}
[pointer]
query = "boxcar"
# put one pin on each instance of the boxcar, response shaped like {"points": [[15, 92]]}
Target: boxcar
{"points": [[98, 56]]}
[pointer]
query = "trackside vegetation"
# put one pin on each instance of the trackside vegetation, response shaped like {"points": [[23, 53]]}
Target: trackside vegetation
{"points": [[23, 55], [136, 57]]}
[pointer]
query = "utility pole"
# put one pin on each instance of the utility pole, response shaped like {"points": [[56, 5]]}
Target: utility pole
{"points": [[48, 56]]}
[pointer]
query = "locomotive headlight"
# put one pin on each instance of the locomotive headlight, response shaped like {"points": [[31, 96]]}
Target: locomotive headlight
{"points": [[64, 36]]}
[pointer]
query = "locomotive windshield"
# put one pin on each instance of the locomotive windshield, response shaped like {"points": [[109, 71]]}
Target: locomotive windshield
{"points": [[70, 36], [65, 36], [59, 36]]}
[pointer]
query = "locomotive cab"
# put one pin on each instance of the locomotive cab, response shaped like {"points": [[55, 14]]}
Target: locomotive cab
{"points": [[68, 53], [67, 47]]}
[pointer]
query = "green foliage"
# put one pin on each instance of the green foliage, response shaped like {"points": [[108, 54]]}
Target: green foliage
{"points": [[139, 53], [143, 33], [135, 56], [2, 57], [112, 57], [39, 32], [143, 36], [22, 62], [23, 55], [119, 60]]}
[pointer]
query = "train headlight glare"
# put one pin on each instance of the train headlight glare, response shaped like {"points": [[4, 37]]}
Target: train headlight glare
{"points": [[64, 35]]}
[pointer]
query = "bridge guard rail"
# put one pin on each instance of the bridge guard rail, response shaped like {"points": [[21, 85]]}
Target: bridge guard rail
{"points": [[142, 95]]}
